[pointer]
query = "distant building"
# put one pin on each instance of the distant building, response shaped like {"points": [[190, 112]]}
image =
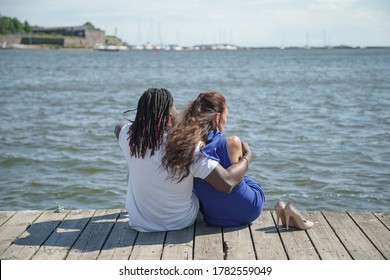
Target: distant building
{"points": [[84, 36]]}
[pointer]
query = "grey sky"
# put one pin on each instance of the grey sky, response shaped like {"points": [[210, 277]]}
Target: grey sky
{"points": [[245, 23]]}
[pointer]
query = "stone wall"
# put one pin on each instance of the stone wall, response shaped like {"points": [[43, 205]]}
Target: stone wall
{"points": [[95, 37], [92, 38], [42, 41], [7, 41]]}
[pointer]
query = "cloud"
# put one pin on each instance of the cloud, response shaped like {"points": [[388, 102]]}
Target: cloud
{"points": [[341, 4]]}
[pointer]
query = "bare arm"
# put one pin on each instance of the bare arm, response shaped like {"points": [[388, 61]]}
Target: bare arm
{"points": [[225, 180], [234, 148], [117, 130]]}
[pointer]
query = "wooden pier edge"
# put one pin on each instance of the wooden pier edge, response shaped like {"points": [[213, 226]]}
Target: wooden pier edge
{"points": [[104, 234]]}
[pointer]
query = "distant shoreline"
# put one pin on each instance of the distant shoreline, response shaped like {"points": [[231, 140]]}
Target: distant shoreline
{"points": [[133, 48], [74, 42]]}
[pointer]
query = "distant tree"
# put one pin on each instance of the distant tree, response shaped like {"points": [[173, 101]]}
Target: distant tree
{"points": [[89, 24], [5, 25], [17, 26], [27, 27], [13, 25]]}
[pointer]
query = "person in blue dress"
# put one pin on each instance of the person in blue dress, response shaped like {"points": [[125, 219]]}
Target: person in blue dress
{"points": [[200, 125]]}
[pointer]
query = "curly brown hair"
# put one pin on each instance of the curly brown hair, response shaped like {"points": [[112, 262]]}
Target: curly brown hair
{"points": [[193, 126]]}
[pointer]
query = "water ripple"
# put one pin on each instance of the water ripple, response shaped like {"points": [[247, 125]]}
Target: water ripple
{"points": [[317, 122]]}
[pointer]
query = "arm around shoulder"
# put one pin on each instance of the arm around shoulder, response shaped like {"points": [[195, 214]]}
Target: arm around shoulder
{"points": [[225, 180]]}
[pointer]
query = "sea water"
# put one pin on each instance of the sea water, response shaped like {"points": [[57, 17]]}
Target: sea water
{"points": [[317, 122]]}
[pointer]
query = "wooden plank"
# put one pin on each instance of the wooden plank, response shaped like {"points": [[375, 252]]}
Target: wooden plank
{"points": [[384, 218], [121, 240], [148, 246], [91, 234], [266, 240], [378, 234], [297, 243], [92, 239], [354, 240], [15, 226], [29, 242], [208, 241], [5, 215], [237, 243], [179, 244], [57, 246], [324, 239]]}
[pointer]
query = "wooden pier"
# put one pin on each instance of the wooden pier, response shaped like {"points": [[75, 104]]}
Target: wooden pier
{"points": [[105, 234]]}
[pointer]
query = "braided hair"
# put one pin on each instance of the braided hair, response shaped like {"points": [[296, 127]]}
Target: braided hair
{"points": [[147, 130]]}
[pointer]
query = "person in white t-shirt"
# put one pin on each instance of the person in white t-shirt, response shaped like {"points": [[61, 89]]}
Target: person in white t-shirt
{"points": [[154, 202]]}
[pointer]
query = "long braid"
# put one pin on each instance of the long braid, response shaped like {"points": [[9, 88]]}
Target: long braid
{"points": [[152, 116]]}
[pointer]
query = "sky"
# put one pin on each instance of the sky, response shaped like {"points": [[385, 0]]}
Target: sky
{"points": [[254, 23]]}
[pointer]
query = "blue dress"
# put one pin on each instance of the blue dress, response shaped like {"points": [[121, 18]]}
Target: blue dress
{"points": [[241, 206]]}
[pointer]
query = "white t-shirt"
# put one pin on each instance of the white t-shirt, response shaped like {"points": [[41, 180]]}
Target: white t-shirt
{"points": [[154, 202]]}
